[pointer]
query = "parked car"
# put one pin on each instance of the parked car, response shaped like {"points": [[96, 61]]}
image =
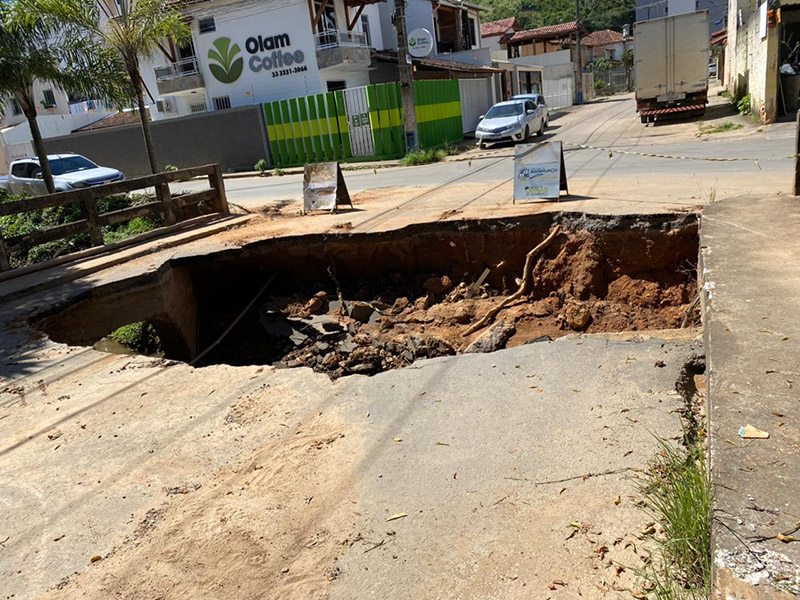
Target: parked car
{"points": [[539, 102], [70, 171], [712, 69], [512, 120]]}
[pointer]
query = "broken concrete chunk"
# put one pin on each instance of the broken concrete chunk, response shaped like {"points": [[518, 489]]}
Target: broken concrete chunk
{"points": [[362, 312], [541, 338], [494, 338]]}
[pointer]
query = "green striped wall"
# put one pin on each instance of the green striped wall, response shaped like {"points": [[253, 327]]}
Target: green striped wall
{"points": [[315, 128], [438, 104]]}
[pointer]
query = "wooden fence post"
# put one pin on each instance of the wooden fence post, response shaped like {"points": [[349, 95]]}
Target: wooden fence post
{"points": [[216, 182], [171, 214], [796, 187], [90, 210], [4, 264]]}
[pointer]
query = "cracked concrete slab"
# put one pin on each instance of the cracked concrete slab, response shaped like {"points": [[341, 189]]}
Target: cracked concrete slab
{"points": [[751, 286]]}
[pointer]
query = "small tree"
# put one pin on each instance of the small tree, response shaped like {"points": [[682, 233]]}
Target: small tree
{"points": [[628, 59], [45, 50], [134, 34]]}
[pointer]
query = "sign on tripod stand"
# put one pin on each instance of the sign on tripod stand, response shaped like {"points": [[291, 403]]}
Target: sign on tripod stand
{"points": [[539, 171], [324, 187]]}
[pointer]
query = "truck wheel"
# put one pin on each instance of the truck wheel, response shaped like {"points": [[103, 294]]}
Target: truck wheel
{"points": [[644, 119]]}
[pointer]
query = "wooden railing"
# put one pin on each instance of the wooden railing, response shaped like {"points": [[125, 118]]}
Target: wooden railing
{"points": [[173, 208]]}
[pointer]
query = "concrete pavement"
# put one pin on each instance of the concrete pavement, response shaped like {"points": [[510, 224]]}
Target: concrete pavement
{"points": [[750, 253]]}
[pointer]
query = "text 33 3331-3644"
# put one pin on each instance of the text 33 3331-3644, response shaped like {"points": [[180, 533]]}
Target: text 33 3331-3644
{"points": [[289, 71]]}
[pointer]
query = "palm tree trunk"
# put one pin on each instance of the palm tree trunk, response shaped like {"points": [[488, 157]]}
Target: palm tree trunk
{"points": [[38, 145], [148, 138]]}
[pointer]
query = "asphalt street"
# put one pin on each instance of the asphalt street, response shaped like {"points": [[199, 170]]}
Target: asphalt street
{"points": [[611, 125]]}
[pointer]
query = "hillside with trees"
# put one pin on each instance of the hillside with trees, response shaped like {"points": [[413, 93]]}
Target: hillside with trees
{"points": [[597, 14]]}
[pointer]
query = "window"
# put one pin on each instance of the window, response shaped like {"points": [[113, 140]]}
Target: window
{"points": [[49, 99], [327, 21], [334, 86], [207, 25], [22, 170], [365, 29], [473, 38], [222, 102], [70, 164], [16, 109]]}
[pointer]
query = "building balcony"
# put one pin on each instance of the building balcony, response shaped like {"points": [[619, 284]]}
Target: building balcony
{"points": [[179, 77], [342, 49]]}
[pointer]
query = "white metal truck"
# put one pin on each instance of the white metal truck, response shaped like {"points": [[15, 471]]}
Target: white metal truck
{"points": [[671, 57]]}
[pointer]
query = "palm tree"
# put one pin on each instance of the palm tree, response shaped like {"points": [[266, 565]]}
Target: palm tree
{"points": [[134, 32], [43, 50]]}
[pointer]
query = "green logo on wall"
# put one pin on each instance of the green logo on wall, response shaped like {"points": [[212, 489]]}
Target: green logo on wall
{"points": [[230, 67]]}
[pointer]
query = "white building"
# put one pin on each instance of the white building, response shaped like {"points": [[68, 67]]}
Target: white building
{"points": [[247, 52]]}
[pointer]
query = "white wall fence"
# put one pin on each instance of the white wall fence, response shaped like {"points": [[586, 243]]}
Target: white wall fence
{"points": [[476, 99]]}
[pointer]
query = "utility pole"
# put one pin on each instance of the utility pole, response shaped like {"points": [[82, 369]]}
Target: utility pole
{"points": [[579, 82], [406, 77], [796, 190]]}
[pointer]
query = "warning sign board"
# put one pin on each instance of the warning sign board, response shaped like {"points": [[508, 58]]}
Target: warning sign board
{"points": [[324, 187], [539, 171]]}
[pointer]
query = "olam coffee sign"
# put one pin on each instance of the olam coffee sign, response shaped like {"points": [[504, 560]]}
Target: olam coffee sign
{"points": [[267, 55]]}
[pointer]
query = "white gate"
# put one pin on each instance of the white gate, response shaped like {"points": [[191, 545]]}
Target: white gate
{"points": [[20, 150], [558, 85], [476, 99], [355, 101]]}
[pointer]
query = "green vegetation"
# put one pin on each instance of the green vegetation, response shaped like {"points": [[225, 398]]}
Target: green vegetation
{"points": [[278, 172], [706, 129], [140, 337], [429, 155], [170, 168], [261, 166], [37, 220], [599, 14], [423, 157], [676, 490]]}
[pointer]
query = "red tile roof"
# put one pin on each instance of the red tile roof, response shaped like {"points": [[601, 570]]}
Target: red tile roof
{"points": [[128, 117], [545, 33], [498, 27], [603, 37]]}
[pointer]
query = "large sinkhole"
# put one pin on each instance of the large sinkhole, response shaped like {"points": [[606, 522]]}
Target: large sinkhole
{"points": [[365, 302]]}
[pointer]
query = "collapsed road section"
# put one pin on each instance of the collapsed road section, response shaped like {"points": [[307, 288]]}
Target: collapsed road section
{"points": [[363, 303]]}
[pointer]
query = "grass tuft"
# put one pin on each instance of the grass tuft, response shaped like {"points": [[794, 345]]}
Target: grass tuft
{"points": [[423, 157], [140, 337], [676, 491], [721, 128]]}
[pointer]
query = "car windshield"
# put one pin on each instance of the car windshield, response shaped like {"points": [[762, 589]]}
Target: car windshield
{"points": [[70, 164], [499, 111]]}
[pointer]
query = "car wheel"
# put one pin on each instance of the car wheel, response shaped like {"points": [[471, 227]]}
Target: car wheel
{"points": [[527, 134], [482, 145], [540, 133]]}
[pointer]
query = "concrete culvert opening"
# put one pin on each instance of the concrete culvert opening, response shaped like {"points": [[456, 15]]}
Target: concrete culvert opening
{"points": [[365, 303]]}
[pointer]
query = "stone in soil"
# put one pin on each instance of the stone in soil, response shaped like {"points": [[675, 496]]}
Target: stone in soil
{"points": [[494, 338]]}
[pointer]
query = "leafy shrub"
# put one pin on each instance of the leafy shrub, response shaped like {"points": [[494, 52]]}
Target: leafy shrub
{"points": [[140, 337], [261, 166]]}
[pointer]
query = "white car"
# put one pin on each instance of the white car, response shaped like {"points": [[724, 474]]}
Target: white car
{"points": [[70, 171], [513, 120], [539, 102]]}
